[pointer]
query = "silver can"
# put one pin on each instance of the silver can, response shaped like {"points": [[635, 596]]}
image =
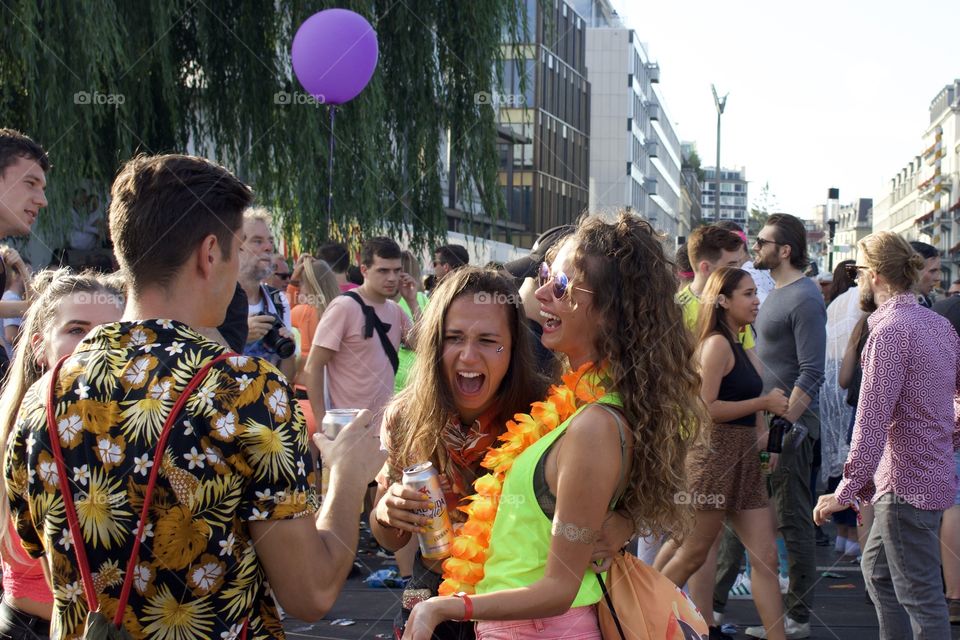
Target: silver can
{"points": [[436, 541], [334, 420]]}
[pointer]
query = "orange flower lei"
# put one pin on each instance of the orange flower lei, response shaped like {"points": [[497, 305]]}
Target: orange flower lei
{"points": [[464, 568]]}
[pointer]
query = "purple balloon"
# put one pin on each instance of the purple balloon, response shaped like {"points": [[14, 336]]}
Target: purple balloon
{"points": [[334, 55]]}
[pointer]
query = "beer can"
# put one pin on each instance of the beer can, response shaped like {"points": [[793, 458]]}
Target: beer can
{"points": [[436, 541], [334, 420]]}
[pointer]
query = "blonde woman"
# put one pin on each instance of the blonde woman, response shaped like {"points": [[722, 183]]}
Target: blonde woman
{"points": [[64, 308]]}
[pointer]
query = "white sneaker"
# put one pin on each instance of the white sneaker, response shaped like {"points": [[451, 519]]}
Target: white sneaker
{"points": [[852, 549], [717, 618], [741, 588], [784, 583], [794, 630], [839, 544]]}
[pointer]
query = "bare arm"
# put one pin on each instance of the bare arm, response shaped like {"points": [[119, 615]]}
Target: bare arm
{"points": [[13, 308], [716, 361], [589, 445], [849, 363], [799, 401], [307, 560], [313, 377]]}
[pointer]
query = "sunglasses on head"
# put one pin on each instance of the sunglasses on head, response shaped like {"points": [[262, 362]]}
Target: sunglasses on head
{"points": [[560, 281]]}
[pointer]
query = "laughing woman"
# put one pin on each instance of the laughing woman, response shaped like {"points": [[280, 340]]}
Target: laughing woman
{"points": [[614, 435], [473, 372]]}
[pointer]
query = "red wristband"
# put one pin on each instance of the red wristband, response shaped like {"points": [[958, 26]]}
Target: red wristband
{"points": [[467, 606]]}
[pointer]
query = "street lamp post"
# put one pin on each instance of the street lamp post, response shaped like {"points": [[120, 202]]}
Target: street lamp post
{"points": [[720, 103], [832, 232]]}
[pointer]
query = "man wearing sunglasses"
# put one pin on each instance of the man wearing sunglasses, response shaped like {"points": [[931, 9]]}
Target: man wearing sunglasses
{"points": [[449, 257], [791, 344]]}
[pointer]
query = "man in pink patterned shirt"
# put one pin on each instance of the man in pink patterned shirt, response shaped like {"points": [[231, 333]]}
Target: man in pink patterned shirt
{"points": [[906, 432]]}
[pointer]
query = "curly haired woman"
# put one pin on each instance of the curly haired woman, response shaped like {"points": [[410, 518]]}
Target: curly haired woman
{"points": [[605, 299]]}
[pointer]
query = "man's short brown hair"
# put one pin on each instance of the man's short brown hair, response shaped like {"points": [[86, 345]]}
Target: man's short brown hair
{"points": [[709, 242], [162, 207], [14, 144]]}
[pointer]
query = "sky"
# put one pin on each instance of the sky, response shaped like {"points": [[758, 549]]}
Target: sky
{"points": [[821, 94]]}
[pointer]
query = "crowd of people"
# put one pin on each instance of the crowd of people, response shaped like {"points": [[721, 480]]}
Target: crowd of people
{"points": [[165, 468]]}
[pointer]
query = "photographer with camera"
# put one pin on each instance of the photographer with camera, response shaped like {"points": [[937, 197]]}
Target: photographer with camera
{"points": [[268, 316]]}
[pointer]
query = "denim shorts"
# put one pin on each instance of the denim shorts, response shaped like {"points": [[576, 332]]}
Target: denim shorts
{"points": [[579, 623]]}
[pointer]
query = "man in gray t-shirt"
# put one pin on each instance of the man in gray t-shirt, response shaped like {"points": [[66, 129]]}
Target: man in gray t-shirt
{"points": [[791, 345]]}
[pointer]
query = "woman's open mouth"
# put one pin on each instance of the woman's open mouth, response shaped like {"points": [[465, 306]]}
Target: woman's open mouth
{"points": [[470, 382]]}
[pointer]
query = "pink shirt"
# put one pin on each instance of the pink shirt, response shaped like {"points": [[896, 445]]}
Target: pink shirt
{"points": [[907, 425], [359, 376], [23, 577]]}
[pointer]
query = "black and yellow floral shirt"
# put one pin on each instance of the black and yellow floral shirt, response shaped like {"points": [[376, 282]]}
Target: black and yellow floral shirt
{"points": [[238, 453]]}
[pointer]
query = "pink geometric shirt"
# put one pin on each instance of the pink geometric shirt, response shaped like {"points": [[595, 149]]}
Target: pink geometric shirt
{"points": [[907, 425]]}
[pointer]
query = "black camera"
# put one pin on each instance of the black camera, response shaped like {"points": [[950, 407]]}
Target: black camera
{"points": [[276, 343]]}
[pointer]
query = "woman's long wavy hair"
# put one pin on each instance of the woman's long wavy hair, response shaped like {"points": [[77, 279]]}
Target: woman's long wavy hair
{"points": [[50, 287], [417, 415], [713, 318], [649, 354]]}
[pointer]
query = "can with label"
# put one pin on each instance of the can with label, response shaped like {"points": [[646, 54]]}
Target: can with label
{"points": [[334, 420], [436, 541], [765, 462]]}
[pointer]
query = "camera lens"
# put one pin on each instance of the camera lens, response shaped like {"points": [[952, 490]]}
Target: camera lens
{"points": [[273, 341]]}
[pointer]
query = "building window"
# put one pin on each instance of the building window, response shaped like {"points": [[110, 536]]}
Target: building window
{"points": [[629, 124], [629, 166], [629, 79]]}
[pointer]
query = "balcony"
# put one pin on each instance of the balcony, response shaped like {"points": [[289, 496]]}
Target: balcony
{"points": [[653, 109], [953, 253], [927, 189], [933, 153], [929, 222], [954, 211], [652, 149], [650, 186]]}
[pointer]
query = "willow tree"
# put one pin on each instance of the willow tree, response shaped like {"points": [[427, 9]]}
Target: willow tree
{"points": [[101, 80]]}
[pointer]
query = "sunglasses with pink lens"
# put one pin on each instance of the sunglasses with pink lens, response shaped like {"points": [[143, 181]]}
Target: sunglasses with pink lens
{"points": [[560, 281]]}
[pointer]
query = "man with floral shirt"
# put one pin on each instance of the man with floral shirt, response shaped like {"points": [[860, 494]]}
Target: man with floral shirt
{"points": [[902, 454], [234, 493]]}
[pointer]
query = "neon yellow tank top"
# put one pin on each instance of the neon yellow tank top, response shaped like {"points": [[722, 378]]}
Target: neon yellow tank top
{"points": [[520, 539]]}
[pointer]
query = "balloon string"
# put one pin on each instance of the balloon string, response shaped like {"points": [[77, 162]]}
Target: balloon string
{"points": [[330, 175]]}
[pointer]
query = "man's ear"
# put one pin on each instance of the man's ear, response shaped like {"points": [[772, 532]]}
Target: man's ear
{"points": [[703, 267], [208, 252]]}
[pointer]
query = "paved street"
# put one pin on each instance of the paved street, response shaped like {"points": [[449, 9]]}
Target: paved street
{"points": [[841, 612]]}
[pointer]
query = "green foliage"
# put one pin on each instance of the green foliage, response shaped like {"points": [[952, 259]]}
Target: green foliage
{"points": [[183, 76]]}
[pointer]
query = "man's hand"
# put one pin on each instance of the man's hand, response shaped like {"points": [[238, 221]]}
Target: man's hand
{"points": [[408, 289], [826, 505], [355, 454], [258, 326]]}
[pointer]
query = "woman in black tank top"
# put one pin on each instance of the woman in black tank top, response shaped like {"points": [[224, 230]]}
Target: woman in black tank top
{"points": [[724, 472]]}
